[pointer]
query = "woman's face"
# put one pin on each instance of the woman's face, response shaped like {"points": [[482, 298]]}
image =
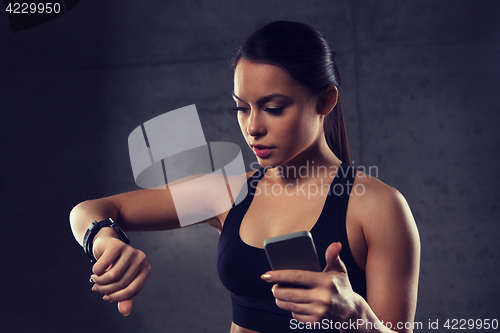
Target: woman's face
{"points": [[277, 117]]}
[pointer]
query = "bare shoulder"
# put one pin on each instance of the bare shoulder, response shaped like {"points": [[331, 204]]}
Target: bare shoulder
{"points": [[236, 183], [373, 193], [379, 208]]}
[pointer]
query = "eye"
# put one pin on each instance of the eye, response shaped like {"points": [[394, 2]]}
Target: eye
{"points": [[239, 108], [274, 111]]}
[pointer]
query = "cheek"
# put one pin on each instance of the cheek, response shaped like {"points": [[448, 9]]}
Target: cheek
{"points": [[291, 134], [303, 131], [299, 128]]}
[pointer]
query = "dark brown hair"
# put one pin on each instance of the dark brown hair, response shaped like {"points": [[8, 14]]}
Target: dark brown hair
{"points": [[303, 52]]}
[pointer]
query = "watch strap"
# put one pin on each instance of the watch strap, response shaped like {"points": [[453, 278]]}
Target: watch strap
{"points": [[93, 229]]}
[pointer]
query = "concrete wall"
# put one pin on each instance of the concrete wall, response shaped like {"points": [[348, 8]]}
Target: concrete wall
{"points": [[421, 79]]}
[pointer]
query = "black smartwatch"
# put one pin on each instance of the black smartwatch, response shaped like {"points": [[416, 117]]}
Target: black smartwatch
{"points": [[93, 229]]}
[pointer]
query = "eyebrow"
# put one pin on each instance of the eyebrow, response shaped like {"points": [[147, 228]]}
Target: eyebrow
{"points": [[264, 99]]}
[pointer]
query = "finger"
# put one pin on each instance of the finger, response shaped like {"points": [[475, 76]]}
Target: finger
{"points": [[106, 260], [132, 289], [122, 273], [304, 318], [333, 261], [118, 283], [125, 307], [293, 276], [296, 308], [294, 295], [115, 272]]}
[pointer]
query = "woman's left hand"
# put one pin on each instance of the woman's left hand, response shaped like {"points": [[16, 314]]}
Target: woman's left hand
{"points": [[327, 294]]}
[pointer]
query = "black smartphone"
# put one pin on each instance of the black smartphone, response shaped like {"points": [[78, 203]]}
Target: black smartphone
{"points": [[292, 251]]}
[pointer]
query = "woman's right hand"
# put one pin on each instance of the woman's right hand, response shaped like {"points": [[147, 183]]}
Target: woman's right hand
{"points": [[120, 272]]}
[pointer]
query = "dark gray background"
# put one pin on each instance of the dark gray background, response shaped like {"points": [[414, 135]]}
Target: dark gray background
{"points": [[421, 80]]}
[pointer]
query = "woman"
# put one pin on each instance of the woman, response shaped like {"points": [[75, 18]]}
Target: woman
{"points": [[286, 93]]}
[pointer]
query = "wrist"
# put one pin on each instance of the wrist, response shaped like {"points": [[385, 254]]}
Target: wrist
{"points": [[105, 233], [353, 309], [366, 321], [100, 239]]}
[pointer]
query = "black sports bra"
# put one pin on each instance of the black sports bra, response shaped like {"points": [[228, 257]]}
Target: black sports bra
{"points": [[240, 265]]}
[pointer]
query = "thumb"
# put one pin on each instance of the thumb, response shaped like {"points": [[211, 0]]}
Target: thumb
{"points": [[333, 262], [125, 307]]}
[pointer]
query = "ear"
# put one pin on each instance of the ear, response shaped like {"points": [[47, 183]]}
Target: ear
{"points": [[327, 100]]}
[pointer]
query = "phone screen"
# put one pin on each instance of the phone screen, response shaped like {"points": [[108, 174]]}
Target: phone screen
{"points": [[292, 251]]}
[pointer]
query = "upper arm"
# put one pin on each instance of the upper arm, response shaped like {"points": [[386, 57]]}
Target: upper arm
{"points": [[393, 257]]}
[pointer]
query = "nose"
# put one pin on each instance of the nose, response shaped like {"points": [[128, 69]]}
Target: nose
{"points": [[256, 124]]}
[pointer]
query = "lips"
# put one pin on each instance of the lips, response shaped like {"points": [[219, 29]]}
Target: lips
{"points": [[261, 150]]}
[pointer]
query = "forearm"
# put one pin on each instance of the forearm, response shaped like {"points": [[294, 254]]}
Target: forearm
{"points": [[83, 214]]}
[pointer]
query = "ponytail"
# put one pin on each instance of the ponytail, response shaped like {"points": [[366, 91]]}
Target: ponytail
{"points": [[336, 134]]}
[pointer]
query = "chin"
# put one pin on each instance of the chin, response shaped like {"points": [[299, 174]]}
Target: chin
{"points": [[265, 164], [268, 163]]}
